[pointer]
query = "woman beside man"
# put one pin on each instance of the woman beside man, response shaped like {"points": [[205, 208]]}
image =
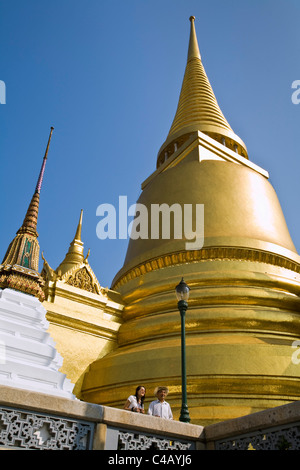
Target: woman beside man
{"points": [[159, 407]]}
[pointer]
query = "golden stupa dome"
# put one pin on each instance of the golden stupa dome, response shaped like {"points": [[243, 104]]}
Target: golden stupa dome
{"points": [[243, 313], [241, 209]]}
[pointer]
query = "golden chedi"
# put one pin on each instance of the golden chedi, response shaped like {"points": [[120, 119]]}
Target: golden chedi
{"points": [[243, 313]]}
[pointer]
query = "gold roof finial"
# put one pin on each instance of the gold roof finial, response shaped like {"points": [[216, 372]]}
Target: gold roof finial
{"points": [[198, 109]]}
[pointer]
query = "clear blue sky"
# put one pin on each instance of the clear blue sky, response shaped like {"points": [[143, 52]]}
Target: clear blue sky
{"points": [[107, 75]]}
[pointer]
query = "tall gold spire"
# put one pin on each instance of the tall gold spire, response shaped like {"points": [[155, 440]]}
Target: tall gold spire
{"points": [[75, 253], [198, 109], [19, 268]]}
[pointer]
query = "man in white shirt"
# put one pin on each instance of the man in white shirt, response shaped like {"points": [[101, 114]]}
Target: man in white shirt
{"points": [[160, 407]]}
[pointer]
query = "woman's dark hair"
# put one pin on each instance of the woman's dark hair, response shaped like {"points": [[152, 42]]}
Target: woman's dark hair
{"points": [[136, 393]]}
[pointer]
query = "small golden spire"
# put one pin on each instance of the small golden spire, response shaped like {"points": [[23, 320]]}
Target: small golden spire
{"points": [[75, 255]]}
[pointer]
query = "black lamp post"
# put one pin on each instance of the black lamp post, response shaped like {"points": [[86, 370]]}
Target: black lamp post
{"points": [[182, 294]]}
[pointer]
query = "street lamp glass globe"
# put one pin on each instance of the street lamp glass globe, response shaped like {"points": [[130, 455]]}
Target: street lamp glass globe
{"points": [[182, 291]]}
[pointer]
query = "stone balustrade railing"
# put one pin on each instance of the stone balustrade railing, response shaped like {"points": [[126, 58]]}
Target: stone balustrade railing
{"points": [[30, 420]]}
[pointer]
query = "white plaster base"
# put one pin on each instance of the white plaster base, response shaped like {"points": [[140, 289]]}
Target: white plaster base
{"points": [[28, 357]]}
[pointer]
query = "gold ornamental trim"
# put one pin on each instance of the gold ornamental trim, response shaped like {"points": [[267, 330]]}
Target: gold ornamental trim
{"points": [[23, 280], [207, 254]]}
